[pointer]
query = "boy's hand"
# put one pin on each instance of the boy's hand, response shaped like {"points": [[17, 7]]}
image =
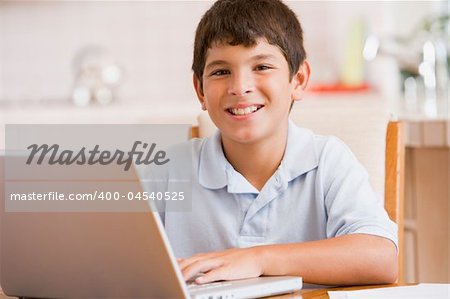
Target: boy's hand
{"points": [[236, 263]]}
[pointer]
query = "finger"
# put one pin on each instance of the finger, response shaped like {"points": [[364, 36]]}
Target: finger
{"points": [[188, 261], [219, 273], [193, 259], [201, 266]]}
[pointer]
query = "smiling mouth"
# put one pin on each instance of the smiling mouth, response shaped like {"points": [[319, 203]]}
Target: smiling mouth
{"points": [[244, 111]]}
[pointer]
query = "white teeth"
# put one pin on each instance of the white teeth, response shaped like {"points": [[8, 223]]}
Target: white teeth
{"points": [[243, 111]]}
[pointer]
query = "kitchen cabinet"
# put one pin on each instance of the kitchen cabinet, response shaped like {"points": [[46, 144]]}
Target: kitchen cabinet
{"points": [[427, 201]]}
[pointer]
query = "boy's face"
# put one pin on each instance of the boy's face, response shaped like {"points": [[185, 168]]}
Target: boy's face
{"points": [[248, 92]]}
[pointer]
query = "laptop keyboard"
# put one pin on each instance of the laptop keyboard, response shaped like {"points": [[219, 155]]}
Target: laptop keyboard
{"points": [[206, 286]]}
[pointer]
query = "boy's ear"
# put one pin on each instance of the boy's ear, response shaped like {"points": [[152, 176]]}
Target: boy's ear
{"points": [[199, 91], [300, 81]]}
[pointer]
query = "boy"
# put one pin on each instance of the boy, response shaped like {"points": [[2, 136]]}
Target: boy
{"points": [[270, 198]]}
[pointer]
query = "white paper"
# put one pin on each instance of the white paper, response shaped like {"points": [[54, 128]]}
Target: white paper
{"points": [[420, 291]]}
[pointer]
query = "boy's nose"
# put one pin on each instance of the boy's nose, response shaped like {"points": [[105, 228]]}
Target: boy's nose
{"points": [[240, 84]]}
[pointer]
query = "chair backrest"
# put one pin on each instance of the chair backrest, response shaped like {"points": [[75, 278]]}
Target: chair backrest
{"points": [[395, 184], [376, 141]]}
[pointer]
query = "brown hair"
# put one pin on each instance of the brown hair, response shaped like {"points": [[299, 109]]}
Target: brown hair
{"points": [[242, 22]]}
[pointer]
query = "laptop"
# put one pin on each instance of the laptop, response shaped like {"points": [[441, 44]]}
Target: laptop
{"points": [[104, 254]]}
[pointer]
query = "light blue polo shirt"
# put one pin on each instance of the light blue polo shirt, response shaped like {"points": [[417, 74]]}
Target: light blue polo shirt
{"points": [[319, 191]]}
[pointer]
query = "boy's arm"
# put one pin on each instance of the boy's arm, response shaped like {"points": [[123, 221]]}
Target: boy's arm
{"points": [[345, 260]]}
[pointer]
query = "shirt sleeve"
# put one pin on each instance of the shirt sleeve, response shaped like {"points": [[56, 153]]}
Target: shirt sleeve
{"points": [[352, 206]]}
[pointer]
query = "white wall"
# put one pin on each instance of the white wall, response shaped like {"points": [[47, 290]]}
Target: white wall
{"points": [[153, 41], [150, 40]]}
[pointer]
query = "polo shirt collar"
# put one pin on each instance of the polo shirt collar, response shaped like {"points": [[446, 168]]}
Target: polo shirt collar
{"points": [[300, 157], [212, 164]]}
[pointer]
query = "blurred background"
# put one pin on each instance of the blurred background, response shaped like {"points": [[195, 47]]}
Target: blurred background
{"points": [[129, 62], [83, 53]]}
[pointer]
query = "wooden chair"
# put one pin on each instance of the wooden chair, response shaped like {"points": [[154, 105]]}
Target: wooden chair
{"points": [[395, 184], [394, 162]]}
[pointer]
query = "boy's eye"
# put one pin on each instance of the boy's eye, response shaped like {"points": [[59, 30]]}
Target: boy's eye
{"points": [[220, 73], [262, 67]]}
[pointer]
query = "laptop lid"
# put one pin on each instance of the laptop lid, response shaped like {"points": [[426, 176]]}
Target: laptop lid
{"points": [[86, 254]]}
